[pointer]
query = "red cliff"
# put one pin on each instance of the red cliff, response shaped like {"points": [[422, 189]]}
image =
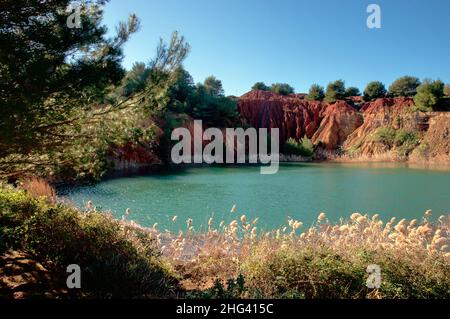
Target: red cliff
{"points": [[296, 117]]}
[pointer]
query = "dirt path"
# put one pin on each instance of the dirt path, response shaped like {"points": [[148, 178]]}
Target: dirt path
{"points": [[22, 277]]}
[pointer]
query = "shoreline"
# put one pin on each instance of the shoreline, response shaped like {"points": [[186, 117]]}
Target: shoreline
{"points": [[167, 169]]}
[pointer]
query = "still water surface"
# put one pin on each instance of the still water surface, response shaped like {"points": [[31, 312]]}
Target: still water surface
{"points": [[300, 191]]}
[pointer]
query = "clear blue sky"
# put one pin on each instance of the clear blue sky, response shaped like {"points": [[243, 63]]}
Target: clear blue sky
{"points": [[295, 41]]}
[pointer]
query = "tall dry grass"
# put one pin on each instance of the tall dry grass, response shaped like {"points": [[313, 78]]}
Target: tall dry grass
{"points": [[38, 187], [319, 261]]}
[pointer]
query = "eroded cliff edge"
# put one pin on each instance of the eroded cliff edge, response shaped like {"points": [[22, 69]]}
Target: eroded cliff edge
{"points": [[384, 129]]}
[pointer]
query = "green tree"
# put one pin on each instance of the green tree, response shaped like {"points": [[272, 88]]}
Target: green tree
{"points": [[213, 86], [315, 93], [181, 92], [335, 91], [134, 80], [404, 86], [282, 88], [51, 72], [219, 111], [260, 86], [428, 95], [374, 90], [352, 91], [56, 82]]}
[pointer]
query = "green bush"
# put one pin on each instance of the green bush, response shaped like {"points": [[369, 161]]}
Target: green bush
{"points": [[234, 289], [260, 86], [335, 91], [404, 86], [315, 93], [317, 272], [352, 91], [402, 140], [115, 260], [385, 135], [428, 95], [306, 274], [374, 90], [281, 88], [303, 148]]}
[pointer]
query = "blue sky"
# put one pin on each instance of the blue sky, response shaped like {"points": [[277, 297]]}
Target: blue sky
{"points": [[295, 41]]}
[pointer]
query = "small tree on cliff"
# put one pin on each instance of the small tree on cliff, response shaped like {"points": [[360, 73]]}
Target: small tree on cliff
{"points": [[404, 86], [260, 86], [428, 95], [213, 86], [316, 93], [282, 88], [335, 91], [374, 90], [352, 91]]}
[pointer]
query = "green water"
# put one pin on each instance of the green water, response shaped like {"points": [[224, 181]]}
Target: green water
{"points": [[300, 191]]}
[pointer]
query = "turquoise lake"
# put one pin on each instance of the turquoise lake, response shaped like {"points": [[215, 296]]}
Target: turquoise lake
{"points": [[300, 191]]}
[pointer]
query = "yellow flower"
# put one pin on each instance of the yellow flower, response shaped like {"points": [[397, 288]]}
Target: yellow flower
{"points": [[321, 217]]}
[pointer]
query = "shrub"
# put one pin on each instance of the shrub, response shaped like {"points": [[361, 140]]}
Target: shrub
{"points": [[116, 260], [303, 148], [316, 93], [385, 135], [402, 140], [374, 90], [315, 271], [404, 86], [335, 91], [260, 86], [306, 273], [405, 142], [282, 88], [428, 95], [352, 91], [234, 289]]}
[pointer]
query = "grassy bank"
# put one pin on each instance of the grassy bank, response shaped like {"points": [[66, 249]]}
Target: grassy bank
{"points": [[123, 260]]}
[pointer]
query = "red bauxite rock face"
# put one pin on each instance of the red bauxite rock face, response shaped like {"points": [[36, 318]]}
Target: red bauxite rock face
{"points": [[339, 121], [294, 116], [297, 117]]}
